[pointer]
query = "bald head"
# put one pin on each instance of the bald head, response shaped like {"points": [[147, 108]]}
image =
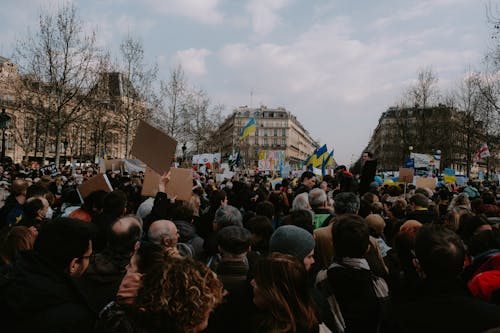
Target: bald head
{"points": [[376, 224], [19, 187], [163, 232], [125, 235]]}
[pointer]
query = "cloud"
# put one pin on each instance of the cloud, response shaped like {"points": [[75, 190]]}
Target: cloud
{"points": [[202, 11], [263, 14], [192, 60]]}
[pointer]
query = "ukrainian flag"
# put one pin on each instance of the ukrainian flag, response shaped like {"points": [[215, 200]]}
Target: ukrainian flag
{"points": [[329, 160], [249, 128], [311, 159], [321, 155]]}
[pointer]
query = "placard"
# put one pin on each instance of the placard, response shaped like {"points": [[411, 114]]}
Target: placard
{"points": [[106, 165], [426, 182], [151, 181], [154, 147], [97, 182], [406, 175], [180, 184]]}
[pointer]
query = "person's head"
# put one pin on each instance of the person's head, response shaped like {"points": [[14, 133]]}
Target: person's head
{"points": [[194, 204], [261, 228], [265, 208], [376, 224], [461, 200], [19, 187], [66, 244], [295, 241], [226, 216], [440, 252], [233, 242], [179, 294], [125, 234], [317, 198], [115, 203], [346, 203], [301, 201], [367, 156], [36, 208], [164, 233], [280, 289], [350, 236], [218, 199], [469, 225], [398, 209], [308, 179], [302, 218], [93, 203], [12, 241], [418, 200]]}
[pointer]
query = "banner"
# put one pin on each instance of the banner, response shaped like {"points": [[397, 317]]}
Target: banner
{"points": [[206, 158], [426, 160], [271, 159]]}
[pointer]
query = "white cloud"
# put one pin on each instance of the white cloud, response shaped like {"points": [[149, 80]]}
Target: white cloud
{"points": [[203, 11], [192, 60], [263, 14]]}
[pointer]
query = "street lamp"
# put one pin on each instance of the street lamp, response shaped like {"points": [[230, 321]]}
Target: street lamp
{"points": [[184, 152], [65, 144], [4, 124]]}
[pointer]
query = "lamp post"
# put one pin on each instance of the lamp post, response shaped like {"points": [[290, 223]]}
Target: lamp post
{"points": [[184, 153], [4, 124], [65, 144]]}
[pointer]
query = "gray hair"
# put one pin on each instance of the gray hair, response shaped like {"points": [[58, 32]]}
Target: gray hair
{"points": [[227, 216], [346, 203], [158, 233], [301, 201], [317, 197]]}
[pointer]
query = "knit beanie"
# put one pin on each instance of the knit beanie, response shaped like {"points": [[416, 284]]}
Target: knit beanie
{"points": [[290, 239]]}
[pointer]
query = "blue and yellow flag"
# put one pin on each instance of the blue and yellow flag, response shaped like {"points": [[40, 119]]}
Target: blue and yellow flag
{"points": [[321, 155], [311, 159], [249, 128], [328, 161]]}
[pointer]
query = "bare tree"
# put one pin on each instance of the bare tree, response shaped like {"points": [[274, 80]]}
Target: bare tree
{"points": [[59, 61], [136, 87]]}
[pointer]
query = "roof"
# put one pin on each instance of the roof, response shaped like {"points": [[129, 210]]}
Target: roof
{"points": [[2, 60]]}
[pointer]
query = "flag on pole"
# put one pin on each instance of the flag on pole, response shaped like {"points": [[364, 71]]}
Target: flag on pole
{"points": [[249, 128], [483, 152], [311, 159], [321, 155]]}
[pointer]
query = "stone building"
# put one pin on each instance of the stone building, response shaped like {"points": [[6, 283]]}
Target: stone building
{"points": [[277, 130]]}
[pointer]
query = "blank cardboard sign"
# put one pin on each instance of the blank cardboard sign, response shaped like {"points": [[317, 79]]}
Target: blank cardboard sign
{"points": [[150, 185], [153, 147], [181, 183], [406, 175], [98, 182], [426, 183]]}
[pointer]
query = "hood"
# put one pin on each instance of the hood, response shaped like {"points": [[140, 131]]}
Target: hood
{"points": [[36, 286], [186, 230]]}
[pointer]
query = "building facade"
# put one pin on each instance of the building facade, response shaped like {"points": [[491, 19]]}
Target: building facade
{"points": [[277, 130], [441, 130], [98, 132]]}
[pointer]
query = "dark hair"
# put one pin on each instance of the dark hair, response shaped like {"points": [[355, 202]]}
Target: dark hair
{"points": [[262, 228], [124, 242], [346, 202], [19, 186], [94, 200], [488, 198], [31, 208], [36, 190], [351, 236], [265, 208], [468, 225], [12, 241], [216, 198], [306, 174], [420, 200], [234, 239], [301, 218], [440, 252], [114, 203], [369, 153], [63, 239]]}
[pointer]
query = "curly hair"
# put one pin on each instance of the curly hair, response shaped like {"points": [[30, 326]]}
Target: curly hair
{"points": [[282, 280], [181, 291]]}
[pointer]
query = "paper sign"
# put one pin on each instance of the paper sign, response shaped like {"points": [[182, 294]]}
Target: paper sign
{"points": [[181, 183], [154, 147], [50, 169], [426, 183], [151, 181], [106, 165], [406, 175], [98, 182], [449, 179]]}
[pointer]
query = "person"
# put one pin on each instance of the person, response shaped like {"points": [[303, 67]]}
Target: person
{"points": [[12, 212], [443, 305], [280, 292], [165, 234], [42, 282], [114, 207], [362, 296], [368, 172], [307, 182], [107, 268], [344, 203], [295, 241], [419, 204], [345, 180], [13, 240], [319, 204], [35, 212], [176, 295]]}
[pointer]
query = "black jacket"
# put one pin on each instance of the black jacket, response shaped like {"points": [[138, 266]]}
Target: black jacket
{"points": [[36, 297]]}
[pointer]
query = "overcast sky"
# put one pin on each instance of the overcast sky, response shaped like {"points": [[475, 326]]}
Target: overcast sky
{"points": [[335, 64]]}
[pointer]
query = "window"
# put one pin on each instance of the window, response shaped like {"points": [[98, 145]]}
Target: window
{"points": [[283, 142], [283, 132], [275, 132]]}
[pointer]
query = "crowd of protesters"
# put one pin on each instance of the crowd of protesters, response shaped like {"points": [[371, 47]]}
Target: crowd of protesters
{"points": [[248, 254]]}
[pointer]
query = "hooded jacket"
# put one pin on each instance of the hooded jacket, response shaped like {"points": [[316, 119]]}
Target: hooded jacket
{"points": [[36, 297]]}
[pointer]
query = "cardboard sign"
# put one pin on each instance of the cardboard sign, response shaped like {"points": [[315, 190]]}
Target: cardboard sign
{"points": [[106, 165], [426, 183], [154, 147], [98, 182], [50, 169], [406, 175], [151, 181], [181, 183]]}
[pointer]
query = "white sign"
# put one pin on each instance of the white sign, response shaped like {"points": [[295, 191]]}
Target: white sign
{"points": [[426, 160], [206, 158]]}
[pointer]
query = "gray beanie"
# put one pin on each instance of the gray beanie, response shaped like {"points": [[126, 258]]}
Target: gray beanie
{"points": [[290, 239]]}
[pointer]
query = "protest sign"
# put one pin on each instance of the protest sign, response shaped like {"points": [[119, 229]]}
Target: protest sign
{"points": [[426, 182], [151, 181], [98, 182], [406, 175], [180, 184]]}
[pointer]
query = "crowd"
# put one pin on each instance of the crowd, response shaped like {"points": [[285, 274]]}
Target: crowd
{"points": [[248, 254]]}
